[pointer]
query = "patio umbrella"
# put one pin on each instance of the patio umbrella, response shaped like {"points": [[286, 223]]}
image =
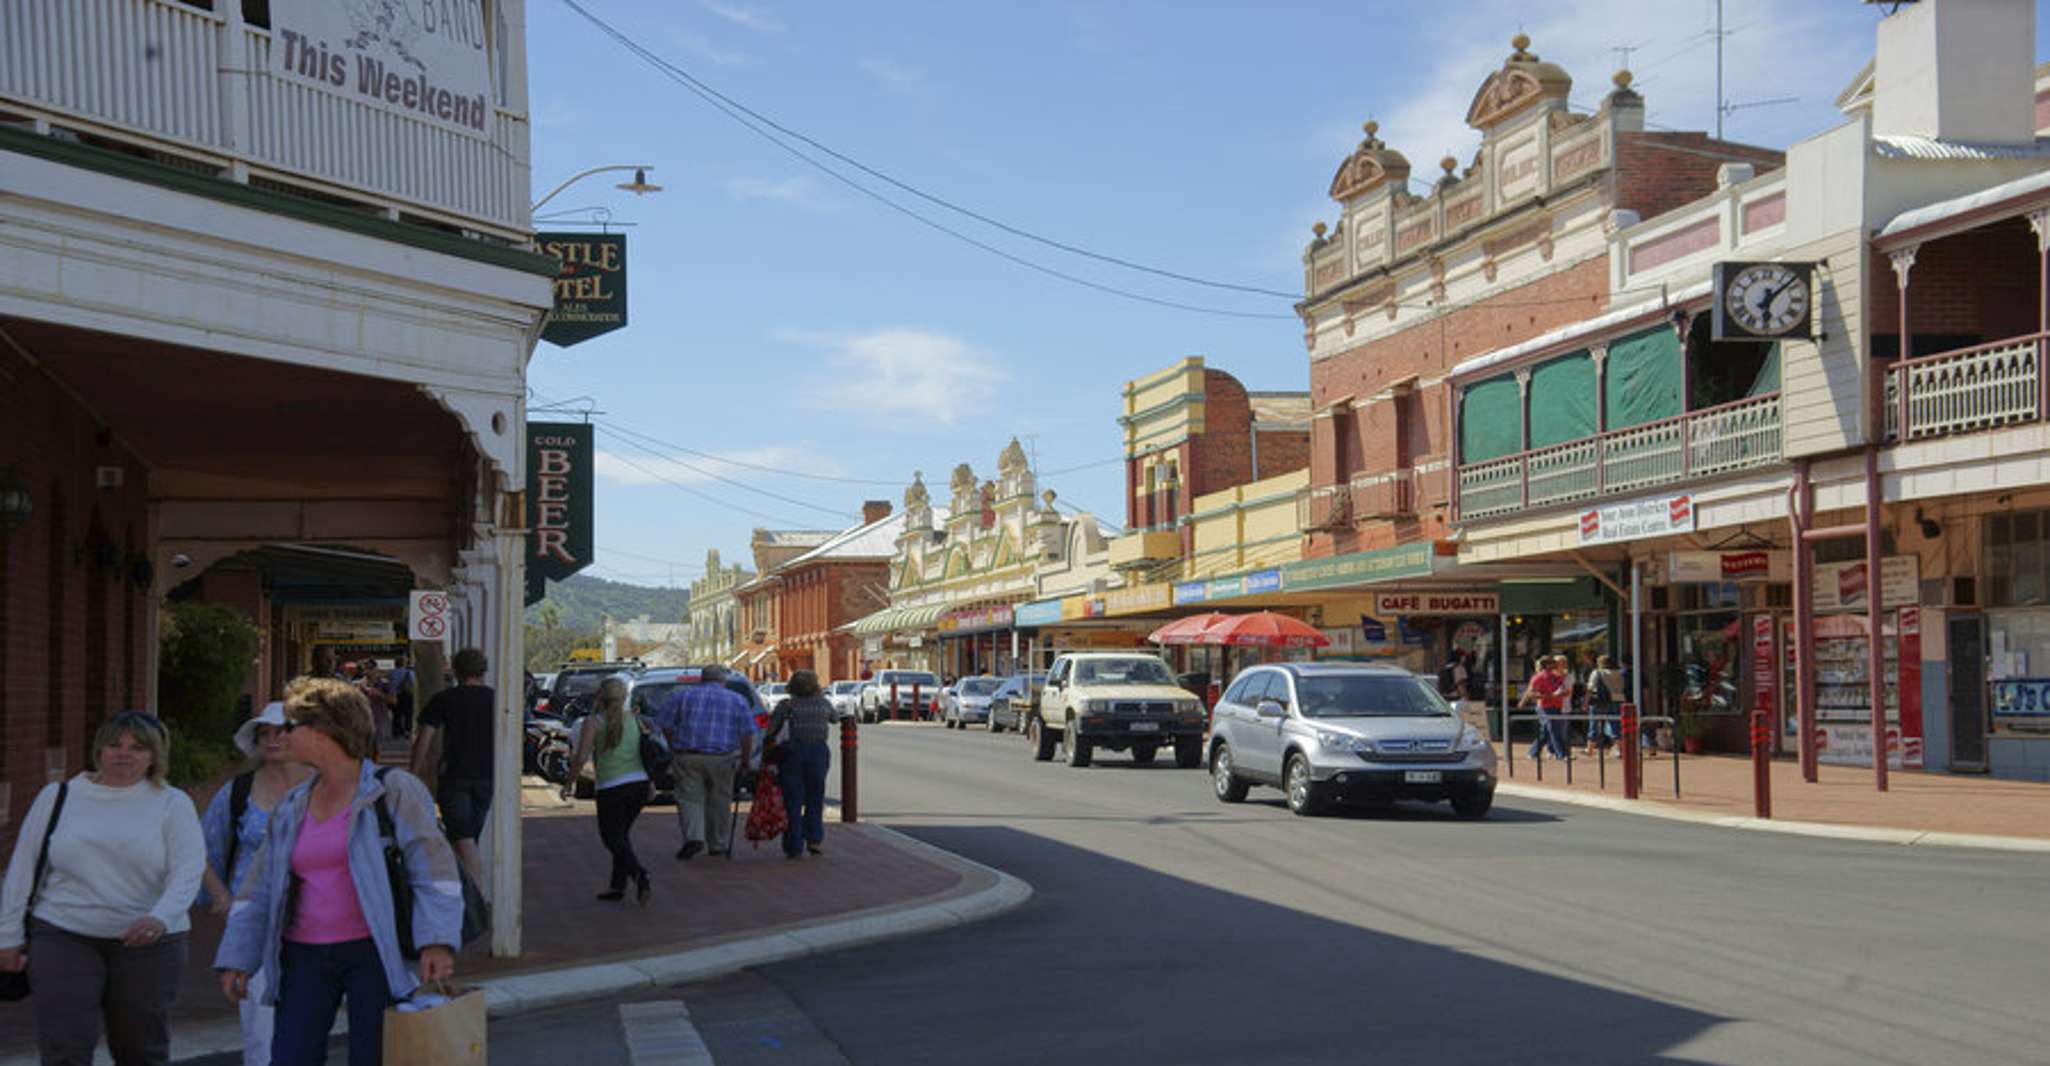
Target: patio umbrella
{"points": [[1187, 630], [1263, 629]]}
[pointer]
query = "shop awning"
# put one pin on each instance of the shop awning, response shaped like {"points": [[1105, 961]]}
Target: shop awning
{"points": [[893, 619]]}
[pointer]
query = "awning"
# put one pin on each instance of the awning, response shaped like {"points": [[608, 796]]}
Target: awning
{"points": [[893, 619]]}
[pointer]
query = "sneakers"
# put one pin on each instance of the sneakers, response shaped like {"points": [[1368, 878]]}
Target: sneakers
{"points": [[641, 889], [690, 849], [815, 849], [612, 895]]}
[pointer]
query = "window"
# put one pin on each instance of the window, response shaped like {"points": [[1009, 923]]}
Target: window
{"points": [[1367, 696], [2016, 554], [1239, 689]]}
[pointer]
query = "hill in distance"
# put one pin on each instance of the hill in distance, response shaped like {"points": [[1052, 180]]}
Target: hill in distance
{"points": [[582, 603]]}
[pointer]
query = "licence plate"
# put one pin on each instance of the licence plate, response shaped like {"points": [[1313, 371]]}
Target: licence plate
{"points": [[1422, 777], [1145, 727]]}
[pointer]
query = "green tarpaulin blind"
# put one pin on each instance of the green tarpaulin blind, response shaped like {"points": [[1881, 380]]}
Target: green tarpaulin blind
{"points": [[1490, 420], [1562, 400], [1768, 379], [1644, 374]]}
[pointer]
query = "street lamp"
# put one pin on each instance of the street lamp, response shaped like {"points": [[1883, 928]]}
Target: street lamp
{"points": [[639, 186]]}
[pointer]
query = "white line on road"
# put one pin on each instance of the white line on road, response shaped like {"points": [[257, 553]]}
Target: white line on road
{"points": [[660, 1031]]}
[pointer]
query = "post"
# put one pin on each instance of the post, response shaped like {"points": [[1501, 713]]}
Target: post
{"points": [[1804, 625], [895, 710], [850, 734], [917, 704], [1502, 685], [1636, 632], [1875, 650], [1633, 759], [1761, 764]]}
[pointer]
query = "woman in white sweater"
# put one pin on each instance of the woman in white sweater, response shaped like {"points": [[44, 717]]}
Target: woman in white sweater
{"points": [[104, 942]]}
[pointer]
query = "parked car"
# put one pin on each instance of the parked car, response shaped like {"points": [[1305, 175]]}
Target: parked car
{"points": [[1347, 732], [771, 692], [1012, 701], [845, 696], [648, 690], [967, 700], [900, 692], [1115, 701], [576, 681]]}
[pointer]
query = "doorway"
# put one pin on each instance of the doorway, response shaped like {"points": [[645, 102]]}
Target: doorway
{"points": [[1966, 670]]}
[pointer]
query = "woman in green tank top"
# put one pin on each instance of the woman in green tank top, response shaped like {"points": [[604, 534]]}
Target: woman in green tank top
{"points": [[611, 739]]}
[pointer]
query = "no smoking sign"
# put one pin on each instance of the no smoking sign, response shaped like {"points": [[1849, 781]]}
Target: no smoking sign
{"points": [[427, 616]]}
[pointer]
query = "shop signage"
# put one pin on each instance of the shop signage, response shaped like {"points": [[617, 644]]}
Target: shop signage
{"points": [[1690, 567], [357, 632], [2022, 697], [1263, 581], [1191, 592], [977, 619], [1841, 586], [1637, 519], [1397, 604], [1137, 598], [590, 285], [1037, 614], [425, 60], [1387, 564], [1762, 675], [559, 503]]}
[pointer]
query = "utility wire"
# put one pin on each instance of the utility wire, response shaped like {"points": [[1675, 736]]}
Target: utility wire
{"points": [[740, 114], [606, 427], [706, 496], [730, 461]]}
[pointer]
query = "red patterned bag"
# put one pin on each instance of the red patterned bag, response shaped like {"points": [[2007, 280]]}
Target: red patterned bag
{"points": [[766, 819]]}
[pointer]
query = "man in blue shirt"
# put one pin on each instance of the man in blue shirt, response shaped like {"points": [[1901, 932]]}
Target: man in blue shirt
{"points": [[711, 731]]}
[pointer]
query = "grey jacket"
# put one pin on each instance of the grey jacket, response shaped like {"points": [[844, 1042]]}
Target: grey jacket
{"points": [[256, 923]]}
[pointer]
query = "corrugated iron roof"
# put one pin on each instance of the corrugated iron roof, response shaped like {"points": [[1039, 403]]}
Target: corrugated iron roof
{"points": [[1964, 205], [1906, 146]]}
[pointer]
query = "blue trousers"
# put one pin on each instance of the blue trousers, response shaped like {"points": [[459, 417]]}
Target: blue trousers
{"points": [[803, 778], [313, 979], [1551, 735]]}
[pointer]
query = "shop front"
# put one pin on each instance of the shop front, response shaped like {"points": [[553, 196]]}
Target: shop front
{"points": [[1843, 672], [976, 640]]}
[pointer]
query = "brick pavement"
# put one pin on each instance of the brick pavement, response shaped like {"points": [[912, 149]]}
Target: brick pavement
{"points": [[1842, 795]]}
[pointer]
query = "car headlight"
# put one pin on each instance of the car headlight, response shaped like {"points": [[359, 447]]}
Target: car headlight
{"points": [[1187, 707], [1343, 741], [1097, 706], [1471, 739]]}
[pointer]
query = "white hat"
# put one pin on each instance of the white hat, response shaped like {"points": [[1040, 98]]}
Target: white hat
{"points": [[273, 714]]}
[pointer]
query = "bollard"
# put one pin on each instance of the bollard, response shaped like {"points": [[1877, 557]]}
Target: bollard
{"points": [[917, 705], [849, 738], [1633, 755], [1761, 764], [895, 710]]}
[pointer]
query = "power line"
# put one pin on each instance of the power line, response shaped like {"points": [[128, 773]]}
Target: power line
{"points": [[706, 496], [740, 114], [1084, 466], [606, 427], [762, 467]]}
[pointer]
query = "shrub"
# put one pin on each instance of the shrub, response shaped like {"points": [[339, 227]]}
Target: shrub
{"points": [[205, 654]]}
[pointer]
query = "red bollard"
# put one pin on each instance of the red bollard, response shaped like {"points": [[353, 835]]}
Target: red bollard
{"points": [[1761, 763], [895, 710], [1633, 755], [849, 792], [917, 705]]}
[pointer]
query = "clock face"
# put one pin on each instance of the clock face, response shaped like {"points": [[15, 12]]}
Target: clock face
{"points": [[1767, 299]]}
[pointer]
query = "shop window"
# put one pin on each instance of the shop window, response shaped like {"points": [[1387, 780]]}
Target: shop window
{"points": [[2016, 557]]}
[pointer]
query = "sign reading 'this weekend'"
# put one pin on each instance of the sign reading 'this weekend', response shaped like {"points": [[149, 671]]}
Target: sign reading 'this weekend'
{"points": [[428, 59]]}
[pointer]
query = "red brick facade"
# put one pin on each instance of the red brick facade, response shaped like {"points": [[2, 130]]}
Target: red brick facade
{"points": [[1976, 286], [814, 600], [1218, 458]]}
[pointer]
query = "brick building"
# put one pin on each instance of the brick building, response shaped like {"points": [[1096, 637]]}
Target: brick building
{"points": [[757, 602], [830, 586]]}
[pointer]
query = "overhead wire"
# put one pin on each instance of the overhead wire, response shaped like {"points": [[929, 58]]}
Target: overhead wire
{"points": [[606, 428], [706, 496]]}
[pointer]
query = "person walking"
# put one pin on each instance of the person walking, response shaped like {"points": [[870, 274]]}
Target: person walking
{"points": [[711, 732], [104, 938], [610, 739], [460, 717], [234, 826], [1452, 677], [317, 909], [803, 724], [1604, 695], [373, 686], [398, 684], [1549, 689]]}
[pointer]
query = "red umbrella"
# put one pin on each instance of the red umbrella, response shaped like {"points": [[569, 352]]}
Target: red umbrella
{"points": [[1187, 630], [1263, 629]]}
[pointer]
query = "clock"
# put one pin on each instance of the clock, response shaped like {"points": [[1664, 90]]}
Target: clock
{"points": [[1763, 301]]}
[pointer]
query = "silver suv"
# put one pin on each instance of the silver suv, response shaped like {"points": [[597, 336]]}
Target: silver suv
{"points": [[1334, 732]]}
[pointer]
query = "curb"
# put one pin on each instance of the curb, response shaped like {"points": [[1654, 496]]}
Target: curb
{"points": [[544, 989], [1868, 834]]}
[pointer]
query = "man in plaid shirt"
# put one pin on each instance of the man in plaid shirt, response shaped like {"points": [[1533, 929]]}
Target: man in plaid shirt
{"points": [[711, 731]]}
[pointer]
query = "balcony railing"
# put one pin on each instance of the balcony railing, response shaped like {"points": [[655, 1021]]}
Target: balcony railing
{"points": [[1967, 390], [1324, 507], [205, 94], [1386, 495], [1718, 440]]}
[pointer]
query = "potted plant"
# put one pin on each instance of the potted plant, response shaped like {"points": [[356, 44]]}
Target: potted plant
{"points": [[1692, 727]]}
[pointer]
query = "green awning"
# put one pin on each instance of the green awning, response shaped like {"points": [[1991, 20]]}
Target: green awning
{"points": [[1490, 420], [1644, 374], [1563, 400], [894, 619]]}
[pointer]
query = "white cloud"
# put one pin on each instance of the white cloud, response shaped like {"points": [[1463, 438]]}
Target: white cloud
{"points": [[799, 190], [705, 49], [631, 467], [901, 372], [894, 77], [743, 15]]}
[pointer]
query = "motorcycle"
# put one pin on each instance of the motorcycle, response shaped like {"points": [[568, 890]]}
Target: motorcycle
{"points": [[547, 748]]}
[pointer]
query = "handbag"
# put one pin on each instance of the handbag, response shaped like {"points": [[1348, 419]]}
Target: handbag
{"points": [[446, 1033], [655, 760], [14, 985], [476, 910]]}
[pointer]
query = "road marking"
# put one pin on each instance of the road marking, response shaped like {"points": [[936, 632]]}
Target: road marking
{"points": [[660, 1031]]}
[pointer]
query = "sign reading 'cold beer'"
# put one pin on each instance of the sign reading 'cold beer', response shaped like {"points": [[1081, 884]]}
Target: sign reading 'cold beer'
{"points": [[559, 506], [590, 287], [426, 59]]}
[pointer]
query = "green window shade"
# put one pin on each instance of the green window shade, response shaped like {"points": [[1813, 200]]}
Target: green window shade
{"points": [[1490, 421], [1562, 401], [1644, 378], [1768, 379]]}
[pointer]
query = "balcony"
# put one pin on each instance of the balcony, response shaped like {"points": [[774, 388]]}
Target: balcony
{"points": [[1384, 496], [1966, 390], [207, 100], [1324, 507], [1718, 440], [1145, 548]]}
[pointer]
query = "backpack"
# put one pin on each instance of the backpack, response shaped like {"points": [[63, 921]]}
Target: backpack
{"points": [[238, 805]]}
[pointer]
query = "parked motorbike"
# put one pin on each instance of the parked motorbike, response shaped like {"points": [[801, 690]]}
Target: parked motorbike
{"points": [[547, 748]]}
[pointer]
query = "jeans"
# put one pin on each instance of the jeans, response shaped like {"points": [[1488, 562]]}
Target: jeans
{"points": [[804, 793], [704, 798], [1551, 734], [259, 1023], [313, 980], [618, 806], [84, 982]]}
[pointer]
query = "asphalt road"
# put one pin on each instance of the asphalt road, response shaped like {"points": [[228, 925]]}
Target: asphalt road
{"points": [[1168, 927]]}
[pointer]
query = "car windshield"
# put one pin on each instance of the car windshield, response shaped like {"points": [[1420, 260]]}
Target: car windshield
{"points": [[979, 686], [1367, 696], [843, 688], [1133, 671], [649, 695], [574, 685], [906, 678]]}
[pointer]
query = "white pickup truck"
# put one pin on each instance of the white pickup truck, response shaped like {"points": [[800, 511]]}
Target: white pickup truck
{"points": [[1115, 701], [909, 693]]}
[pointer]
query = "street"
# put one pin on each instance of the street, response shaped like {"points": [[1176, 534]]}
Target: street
{"points": [[1169, 927]]}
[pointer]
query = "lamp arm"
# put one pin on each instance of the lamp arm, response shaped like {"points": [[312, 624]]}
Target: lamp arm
{"points": [[581, 176]]}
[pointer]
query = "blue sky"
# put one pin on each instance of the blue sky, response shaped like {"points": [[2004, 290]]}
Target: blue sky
{"points": [[783, 319]]}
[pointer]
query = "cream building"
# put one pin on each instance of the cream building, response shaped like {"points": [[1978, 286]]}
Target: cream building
{"points": [[713, 615]]}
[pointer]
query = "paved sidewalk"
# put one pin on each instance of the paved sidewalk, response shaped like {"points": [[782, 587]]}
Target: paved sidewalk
{"points": [[1919, 806], [707, 916]]}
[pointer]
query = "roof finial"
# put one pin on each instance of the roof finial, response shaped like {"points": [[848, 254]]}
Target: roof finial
{"points": [[1623, 78], [1448, 165], [1317, 229], [1521, 42]]}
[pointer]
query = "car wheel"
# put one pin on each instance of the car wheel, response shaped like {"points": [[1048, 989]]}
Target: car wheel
{"points": [[1229, 786], [1078, 748], [1042, 741], [1188, 752], [1142, 754], [992, 725], [1473, 804], [1304, 797]]}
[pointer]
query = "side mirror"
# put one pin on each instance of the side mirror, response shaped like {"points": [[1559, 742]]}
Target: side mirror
{"points": [[1271, 709]]}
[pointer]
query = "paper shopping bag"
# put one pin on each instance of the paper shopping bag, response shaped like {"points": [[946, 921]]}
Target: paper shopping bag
{"points": [[449, 1033]]}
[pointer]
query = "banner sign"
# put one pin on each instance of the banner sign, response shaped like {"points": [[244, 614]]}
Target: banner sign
{"points": [[1690, 567], [559, 503], [1355, 568], [1037, 614], [590, 287], [1137, 598], [1841, 586], [1263, 581], [1397, 604], [1763, 679], [1191, 592], [424, 59], [977, 619], [1637, 519]]}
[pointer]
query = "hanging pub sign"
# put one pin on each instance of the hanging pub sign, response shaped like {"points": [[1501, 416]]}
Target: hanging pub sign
{"points": [[1762, 301], [559, 503], [428, 61], [590, 287]]}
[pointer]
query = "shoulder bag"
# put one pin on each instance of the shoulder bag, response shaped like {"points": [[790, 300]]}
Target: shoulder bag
{"points": [[655, 760], [476, 910], [14, 986]]}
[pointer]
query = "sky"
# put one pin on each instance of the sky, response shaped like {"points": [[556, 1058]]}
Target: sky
{"points": [[781, 318]]}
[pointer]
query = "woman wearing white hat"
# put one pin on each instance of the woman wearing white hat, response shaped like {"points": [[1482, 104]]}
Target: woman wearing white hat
{"points": [[234, 827]]}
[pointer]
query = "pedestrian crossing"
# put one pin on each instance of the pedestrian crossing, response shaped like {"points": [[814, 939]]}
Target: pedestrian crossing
{"points": [[661, 1032]]}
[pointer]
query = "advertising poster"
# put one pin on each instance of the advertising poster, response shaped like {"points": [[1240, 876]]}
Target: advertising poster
{"points": [[560, 506], [428, 61]]}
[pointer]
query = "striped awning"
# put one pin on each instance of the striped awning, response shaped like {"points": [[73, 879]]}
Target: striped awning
{"points": [[895, 619]]}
